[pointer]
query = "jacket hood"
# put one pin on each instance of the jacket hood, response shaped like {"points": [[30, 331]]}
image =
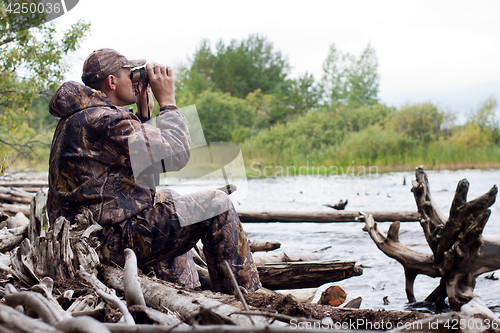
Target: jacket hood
{"points": [[72, 97]]}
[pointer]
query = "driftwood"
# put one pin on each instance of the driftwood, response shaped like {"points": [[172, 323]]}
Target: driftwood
{"points": [[39, 184], [10, 238], [15, 208], [291, 271], [159, 293], [14, 199], [311, 328], [15, 196], [263, 246], [338, 206], [12, 320], [460, 253], [263, 259], [306, 274], [303, 295], [55, 253], [59, 240], [39, 219], [325, 217]]}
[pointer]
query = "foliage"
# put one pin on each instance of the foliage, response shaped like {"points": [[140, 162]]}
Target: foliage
{"points": [[485, 118], [40, 117], [237, 68], [356, 119], [31, 65], [350, 81], [271, 108], [305, 94], [313, 135], [368, 146], [300, 139], [420, 121], [374, 135], [223, 116]]}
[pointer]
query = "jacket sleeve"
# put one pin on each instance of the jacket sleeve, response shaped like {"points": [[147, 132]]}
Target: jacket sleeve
{"points": [[147, 148]]}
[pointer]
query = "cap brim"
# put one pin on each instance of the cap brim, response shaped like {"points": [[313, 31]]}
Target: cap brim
{"points": [[135, 63]]}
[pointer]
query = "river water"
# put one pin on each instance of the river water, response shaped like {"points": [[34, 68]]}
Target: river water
{"points": [[382, 276]]}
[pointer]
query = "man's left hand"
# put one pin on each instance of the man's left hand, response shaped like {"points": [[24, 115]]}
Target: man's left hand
{"points": [[144, 96]]}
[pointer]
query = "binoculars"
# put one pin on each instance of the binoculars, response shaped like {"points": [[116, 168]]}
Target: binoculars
{"points": [[139, 74]]}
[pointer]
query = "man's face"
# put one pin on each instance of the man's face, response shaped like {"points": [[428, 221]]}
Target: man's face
{"points": [[124, 88]]}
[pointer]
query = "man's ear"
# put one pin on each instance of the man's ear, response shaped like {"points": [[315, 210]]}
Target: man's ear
{"points": [[111, 82]]}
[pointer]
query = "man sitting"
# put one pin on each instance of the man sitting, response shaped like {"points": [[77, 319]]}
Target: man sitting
{"points": [[91, 166]]}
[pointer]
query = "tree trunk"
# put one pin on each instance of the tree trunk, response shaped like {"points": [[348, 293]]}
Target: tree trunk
{"points": [[264, 259], [15, 208], [459, 252], [15, 196], [325, 217], [52, 250], [160, 294], [263, 246], [311, 274]]}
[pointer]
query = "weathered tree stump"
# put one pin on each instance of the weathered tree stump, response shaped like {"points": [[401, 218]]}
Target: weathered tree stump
{"points": [[57, 250], [459, 252]]}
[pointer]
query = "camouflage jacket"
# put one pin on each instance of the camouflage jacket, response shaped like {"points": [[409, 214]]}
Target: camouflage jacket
{"points": [[90, 159]]}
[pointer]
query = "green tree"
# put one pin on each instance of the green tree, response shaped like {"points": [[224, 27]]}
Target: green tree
{"points": [[223, 116], [420, 121], [305, 94], [350, 81], [271, 108], [197, 78], [356, 119], [238, 68], [32, 64], [485, 116]]}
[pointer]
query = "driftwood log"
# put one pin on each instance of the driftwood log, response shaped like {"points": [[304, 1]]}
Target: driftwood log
{"points": [[268, 258], [17, 191], [15, 208], [15, 196], [158, 293], [306, 274], [263, 246], [459, 252], [325, 217]]}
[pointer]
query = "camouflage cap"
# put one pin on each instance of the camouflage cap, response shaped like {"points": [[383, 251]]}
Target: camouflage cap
{"points": [[104, 62]]}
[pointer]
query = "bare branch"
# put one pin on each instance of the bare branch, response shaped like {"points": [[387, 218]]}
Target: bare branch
{"points": [[114, 301], [7, 41], [133, 291]]}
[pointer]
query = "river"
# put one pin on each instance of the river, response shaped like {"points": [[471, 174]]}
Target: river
{"points": [[382, 276]]}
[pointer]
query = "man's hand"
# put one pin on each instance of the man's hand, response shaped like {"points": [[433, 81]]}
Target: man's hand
{"points": [[144, 95], [162, 84]]}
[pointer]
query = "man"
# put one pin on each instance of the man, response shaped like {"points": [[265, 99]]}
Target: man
{"points": [[93, 149]]}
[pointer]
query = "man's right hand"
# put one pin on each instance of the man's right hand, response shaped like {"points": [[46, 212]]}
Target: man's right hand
{"points": [[162, 84]]}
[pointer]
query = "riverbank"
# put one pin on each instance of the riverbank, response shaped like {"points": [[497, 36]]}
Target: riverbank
{"points": [[258, 170]]}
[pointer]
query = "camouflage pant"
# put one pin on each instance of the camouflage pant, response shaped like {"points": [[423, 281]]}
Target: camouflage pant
{"points": [[159, 240]]}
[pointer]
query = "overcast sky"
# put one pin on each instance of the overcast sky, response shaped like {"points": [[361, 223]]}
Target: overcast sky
{"points": [[446, 52]]}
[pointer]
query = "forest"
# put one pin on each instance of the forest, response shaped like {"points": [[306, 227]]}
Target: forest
{"points": [[244, 93]]}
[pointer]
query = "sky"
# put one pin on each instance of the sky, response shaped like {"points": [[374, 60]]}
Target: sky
{"points": [[445, 52]]}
